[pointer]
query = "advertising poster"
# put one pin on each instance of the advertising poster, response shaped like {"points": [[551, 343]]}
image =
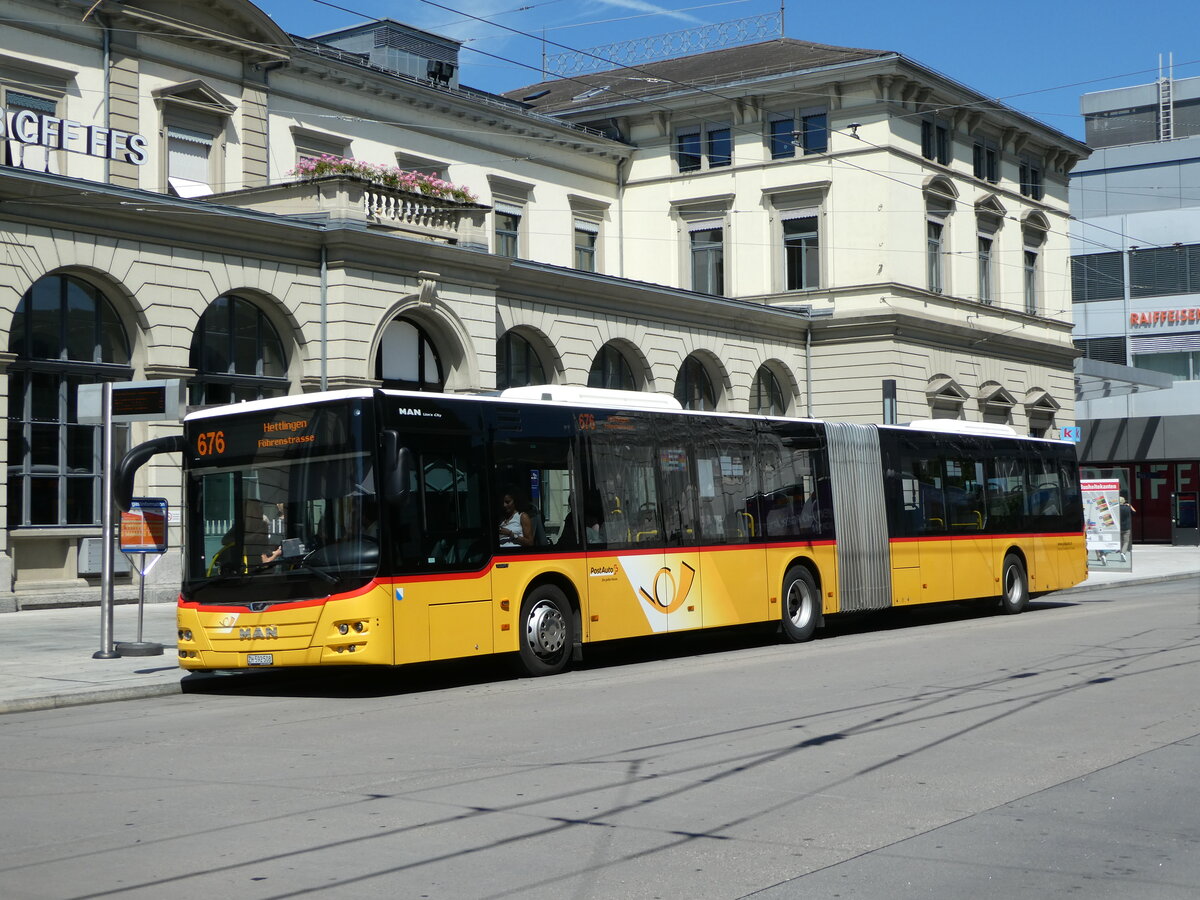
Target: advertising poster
{"points": [[1102, 522]]}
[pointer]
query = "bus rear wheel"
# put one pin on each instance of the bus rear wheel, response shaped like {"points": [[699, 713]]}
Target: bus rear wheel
{"points": [[799, 608], [546, 631], [1015, 596]]}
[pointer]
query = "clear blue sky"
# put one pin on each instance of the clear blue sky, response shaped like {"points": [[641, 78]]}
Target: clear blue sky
{"points": [[1038, 57]]}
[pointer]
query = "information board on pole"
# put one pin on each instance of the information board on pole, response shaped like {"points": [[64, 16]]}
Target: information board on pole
{"points": [[1101, 500], [144, 527], [133, 401]]}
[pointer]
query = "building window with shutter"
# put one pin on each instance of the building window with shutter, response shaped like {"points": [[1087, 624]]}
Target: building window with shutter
{"points": [[1162, 271], [985, 269], [707, 246], [508, 219], [189, 161], [587, 233], [939, 204], [801, 250], [1031, 280]]}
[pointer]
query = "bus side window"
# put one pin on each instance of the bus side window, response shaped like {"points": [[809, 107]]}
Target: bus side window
{"points": [[622, 472], [727, 482], [538, 469], [964, 494], [1005, 481], [790, 504]]}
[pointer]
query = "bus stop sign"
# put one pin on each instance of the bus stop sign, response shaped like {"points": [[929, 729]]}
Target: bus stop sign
{"points": [[144, 527]]}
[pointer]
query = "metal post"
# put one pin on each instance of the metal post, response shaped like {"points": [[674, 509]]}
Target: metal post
{"points": [[141, 601], [106, 650], [141, 647]]}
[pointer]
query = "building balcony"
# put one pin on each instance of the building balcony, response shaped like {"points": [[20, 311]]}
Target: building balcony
{"points": [[351, 199]]}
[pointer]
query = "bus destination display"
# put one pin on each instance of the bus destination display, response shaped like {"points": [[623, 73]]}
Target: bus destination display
{"points": [[278, 433]]}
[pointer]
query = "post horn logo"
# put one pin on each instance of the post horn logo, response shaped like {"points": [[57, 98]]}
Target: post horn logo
{"points": [[665, 593]]}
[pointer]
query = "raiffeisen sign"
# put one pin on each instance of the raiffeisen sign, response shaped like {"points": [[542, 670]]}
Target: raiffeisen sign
{"points": [[1185, 316], [29, 137]]}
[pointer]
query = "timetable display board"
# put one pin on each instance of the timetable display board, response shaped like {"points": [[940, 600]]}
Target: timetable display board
{"points": [[144, 526]]}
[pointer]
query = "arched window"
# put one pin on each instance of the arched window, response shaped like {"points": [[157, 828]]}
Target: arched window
{"points": [[766, 398], [237, 355], [611, 370], [517, 363], [65, 333], [694, 389], [407, 358]]}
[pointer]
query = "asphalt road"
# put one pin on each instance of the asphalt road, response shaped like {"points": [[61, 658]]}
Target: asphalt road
{"points": [[936, 753]]}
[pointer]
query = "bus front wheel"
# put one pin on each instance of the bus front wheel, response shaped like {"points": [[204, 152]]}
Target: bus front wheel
{"points": [[800, 598], [546, 631], [1016, 586]]}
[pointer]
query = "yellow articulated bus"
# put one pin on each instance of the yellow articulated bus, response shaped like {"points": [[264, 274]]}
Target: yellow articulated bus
{"points": [[378, 527]]}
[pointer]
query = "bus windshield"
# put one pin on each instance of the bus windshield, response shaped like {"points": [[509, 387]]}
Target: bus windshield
{"points": [[282, 506]]}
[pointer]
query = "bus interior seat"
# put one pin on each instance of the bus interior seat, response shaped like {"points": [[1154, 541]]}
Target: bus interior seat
{"points": [[539, 526]]}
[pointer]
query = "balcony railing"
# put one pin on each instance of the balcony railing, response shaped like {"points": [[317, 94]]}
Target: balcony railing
{"points": [[348, 198]]}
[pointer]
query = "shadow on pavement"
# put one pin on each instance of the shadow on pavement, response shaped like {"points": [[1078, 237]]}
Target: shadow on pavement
{"points": [[378, 681]]}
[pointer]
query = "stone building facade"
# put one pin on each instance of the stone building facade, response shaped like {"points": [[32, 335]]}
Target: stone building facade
{"points": [[153, 226]]}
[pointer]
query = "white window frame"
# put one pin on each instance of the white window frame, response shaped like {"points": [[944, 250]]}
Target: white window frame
{"points": [[584, 226], [935, 252], [939, 209], [311, 144], [426, 165], [516, 235], [694, 227], [195, 112], [1031, 273], [794, 215], [986, 259]]}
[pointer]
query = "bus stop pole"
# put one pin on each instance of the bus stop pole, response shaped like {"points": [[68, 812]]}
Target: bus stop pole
{"points": [[106, 650]]}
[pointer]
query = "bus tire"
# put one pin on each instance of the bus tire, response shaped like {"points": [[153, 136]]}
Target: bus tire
{"points": [[1014, 595], [546, 627], [799, 608]]}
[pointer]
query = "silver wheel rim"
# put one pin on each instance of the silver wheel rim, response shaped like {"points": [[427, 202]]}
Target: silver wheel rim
{"points": [[545, 629], [799, 604], [1012, 586]]}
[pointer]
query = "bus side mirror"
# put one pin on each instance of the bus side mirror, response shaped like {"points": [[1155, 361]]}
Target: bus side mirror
{"points": [[133, 460], [399, 473]]}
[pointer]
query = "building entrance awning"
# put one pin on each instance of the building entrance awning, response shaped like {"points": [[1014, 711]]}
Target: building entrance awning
{"points": [[1095, 379]]}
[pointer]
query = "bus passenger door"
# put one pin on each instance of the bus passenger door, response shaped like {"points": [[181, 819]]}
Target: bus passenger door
{"points": [[626, 562], [975, 566], [908, 517], [1044, 512], [442, 604], [678, 588], [730, 521]]}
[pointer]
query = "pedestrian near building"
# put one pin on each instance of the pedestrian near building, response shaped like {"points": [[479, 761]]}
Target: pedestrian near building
{"points": [[1126, 511]]}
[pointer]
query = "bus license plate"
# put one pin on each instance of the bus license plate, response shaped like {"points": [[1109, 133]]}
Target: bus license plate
{"points": [[260, 659]]}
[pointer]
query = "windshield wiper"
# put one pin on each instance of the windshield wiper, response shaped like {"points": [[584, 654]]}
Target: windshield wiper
{"points": [[309, 570]]}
